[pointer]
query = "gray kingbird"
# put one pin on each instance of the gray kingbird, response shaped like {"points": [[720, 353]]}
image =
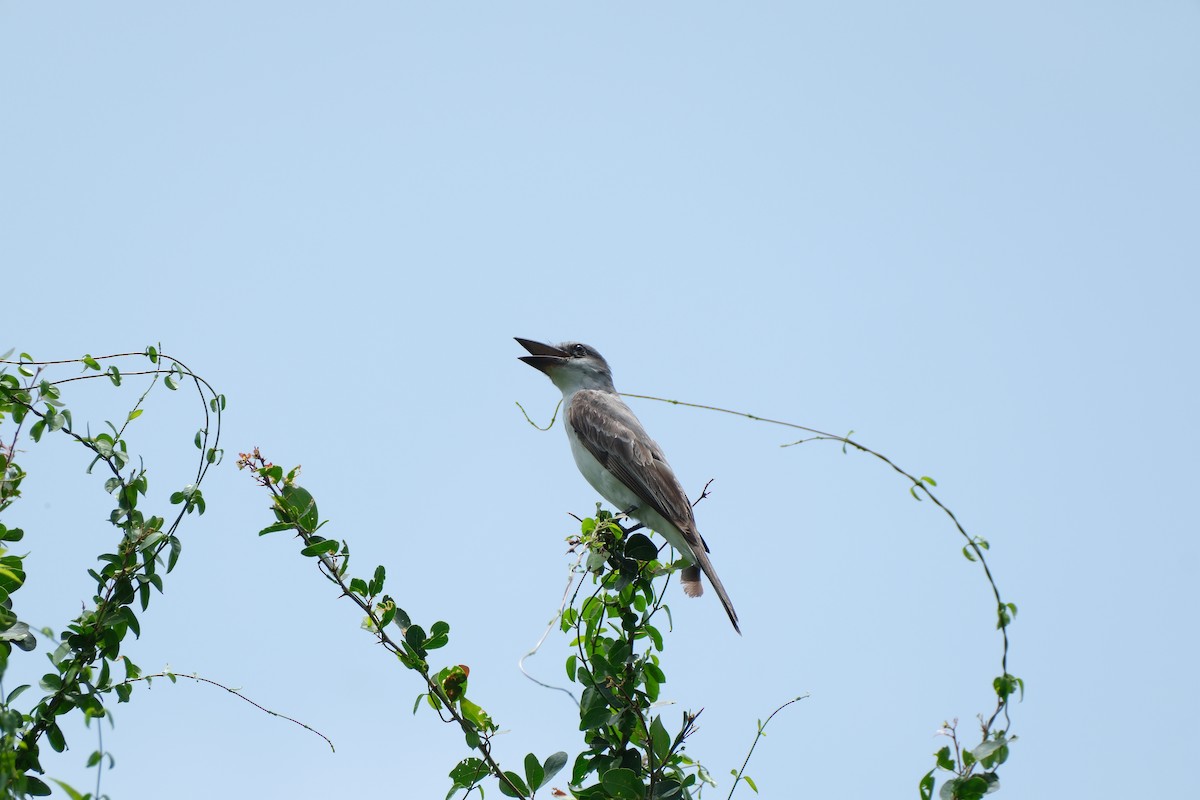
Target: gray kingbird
{"points": [[620, 460]]}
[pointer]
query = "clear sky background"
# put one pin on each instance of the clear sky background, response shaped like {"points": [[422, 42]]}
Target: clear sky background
{"points": [[967, 231]]}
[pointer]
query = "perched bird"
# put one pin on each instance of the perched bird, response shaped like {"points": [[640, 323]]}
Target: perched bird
{"points": [[620, 460]]}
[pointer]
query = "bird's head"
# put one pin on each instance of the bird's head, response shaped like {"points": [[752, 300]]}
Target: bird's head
{"points": [[571, 365]]}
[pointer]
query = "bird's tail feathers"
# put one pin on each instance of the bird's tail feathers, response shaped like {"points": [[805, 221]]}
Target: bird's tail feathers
{"points": [[693, 588]]}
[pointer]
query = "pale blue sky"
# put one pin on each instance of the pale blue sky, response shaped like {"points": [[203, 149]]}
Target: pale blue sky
{"points": [[968, 231]]}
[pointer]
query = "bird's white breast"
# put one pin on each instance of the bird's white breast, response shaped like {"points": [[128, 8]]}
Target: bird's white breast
{"points": [[621, 496], [601, 479]]}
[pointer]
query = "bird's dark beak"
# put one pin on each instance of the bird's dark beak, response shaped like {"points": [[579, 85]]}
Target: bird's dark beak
{"points": [[544, 356]]}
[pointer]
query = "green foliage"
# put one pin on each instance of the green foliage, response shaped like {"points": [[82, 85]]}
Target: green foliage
{"points": [[630, 753], [445, 689], [83, 678], [615, 628]]}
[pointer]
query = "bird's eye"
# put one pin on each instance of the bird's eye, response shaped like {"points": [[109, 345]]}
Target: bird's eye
{"points": [[579, 351]]}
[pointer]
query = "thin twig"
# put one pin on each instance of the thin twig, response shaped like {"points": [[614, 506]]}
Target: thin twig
{"points": [[549, 627], [761, 732], [918, 483], [534, 424], [173, 675]]}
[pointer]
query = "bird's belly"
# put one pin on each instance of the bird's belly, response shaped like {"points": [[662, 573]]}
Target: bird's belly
{"points": [[601, 479], [623, 498]]}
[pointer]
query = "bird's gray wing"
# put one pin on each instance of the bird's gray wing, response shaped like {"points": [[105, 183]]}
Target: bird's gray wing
{"points": [[611, 433]]}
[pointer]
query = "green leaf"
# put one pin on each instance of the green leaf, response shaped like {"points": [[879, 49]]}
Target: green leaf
{"points": [[467, 773], [926, 786], [750, 783], [126, 615], [656, 637], [987, 748], [661, 739], [553, 765], [321, 547], [623, 784], [402, 619], [415, 636], [91, 363], [386, 618], [71, 793], [176, 548], [137, 412], [652, 688], [641, 548], [302, 506], [534, 773], [506, 787], [475, 715], [378, 580], [279, 526], [54, 735], [1006, 684], [971, 788], [595, 717], [34, 787]]}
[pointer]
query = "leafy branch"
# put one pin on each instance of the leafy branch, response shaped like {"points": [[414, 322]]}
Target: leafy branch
{"points": [[92, 642], [296, 510], [630, 751]]}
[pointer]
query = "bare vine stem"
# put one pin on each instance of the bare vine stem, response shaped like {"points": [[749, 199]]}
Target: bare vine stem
{"points": [[976, 545], [762, 728], [171, 676]]}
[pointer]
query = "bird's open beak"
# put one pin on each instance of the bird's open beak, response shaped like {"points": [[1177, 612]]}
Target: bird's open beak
{"points": [[544, 356]]}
